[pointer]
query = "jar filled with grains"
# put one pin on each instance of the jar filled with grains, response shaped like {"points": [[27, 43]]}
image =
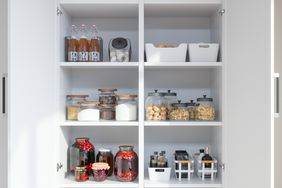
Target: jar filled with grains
{"points": [[73, 105]]}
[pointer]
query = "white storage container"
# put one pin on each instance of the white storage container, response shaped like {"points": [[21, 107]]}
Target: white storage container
{"points": [[159, 174], [203, 52], [157, 55]]}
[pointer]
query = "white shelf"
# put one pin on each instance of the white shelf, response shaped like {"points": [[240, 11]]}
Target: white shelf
{"points": [[69, 182], [181, 65], [195, 182], [99, 123], [102, 65], [184, 123]]}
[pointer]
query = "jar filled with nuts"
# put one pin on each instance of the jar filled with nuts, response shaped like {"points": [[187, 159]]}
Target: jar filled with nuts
{"points": [[192, 108], [179, 112], [156, 107], [205, 111], [171, 98]]}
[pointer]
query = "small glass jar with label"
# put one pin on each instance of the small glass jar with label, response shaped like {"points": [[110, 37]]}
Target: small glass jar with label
{"points": [[73, 106]]}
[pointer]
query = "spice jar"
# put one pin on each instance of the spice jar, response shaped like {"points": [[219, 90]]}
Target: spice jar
{"points": [[106, 156], [126, 164], [126, 108], [107, 96], [89, 111], [107, 111], [81, 174], [73, 105], [205, 111], [82, 153], [179, 112], [156, 106], [100, 171], [192, 109]]}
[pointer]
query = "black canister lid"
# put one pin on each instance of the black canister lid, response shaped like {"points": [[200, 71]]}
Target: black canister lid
{"points": [[179, 104], [204, 99], [156, 93], [119, 43], [169, 93], [192, 103]]}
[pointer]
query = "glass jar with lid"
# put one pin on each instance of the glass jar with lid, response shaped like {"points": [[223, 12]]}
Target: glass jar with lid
{"points": [[89, 111], [107, 96], [73, 105], [126, 108], [171, 97], [192, 108], [107, 111], [81, 173], [106, 156], [205, 110], [179, 112], [156, 106]]}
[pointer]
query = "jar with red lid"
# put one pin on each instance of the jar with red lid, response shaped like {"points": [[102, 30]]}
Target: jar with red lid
{"points": [[126, 164], [82, 153]]}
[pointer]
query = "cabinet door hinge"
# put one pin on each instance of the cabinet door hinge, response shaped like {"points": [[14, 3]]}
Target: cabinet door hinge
{"points": [[221, 12], [222, 166], [59, 12], [59, 166]]}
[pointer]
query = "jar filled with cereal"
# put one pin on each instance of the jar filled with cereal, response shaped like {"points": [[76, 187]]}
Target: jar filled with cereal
{"points": [[205, 111], [192, 109], [179, 112], [156, 107]]}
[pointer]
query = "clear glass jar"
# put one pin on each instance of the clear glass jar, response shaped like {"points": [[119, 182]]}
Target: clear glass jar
{"points": [[107, 96], [126, 108], [73, 105], [179, 112], [81, 174], [156, 106], [205, 110], [171, 97], [192, 108], [106, 156], [88, 111], [126, 164], [107, 111]]}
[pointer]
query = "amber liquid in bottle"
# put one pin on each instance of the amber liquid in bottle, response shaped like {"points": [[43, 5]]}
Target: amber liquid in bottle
{"points": [[72, 49], [94, 50], [83, 49]]}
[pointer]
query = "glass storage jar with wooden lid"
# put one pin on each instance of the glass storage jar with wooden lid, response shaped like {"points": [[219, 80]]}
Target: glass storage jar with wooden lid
{"points": [[107, 96], [205, 110], [156, 106], [72, 105], [89, 111], [126, 108], [107, 111]]}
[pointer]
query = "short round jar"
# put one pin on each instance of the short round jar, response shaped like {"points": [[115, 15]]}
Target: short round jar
{"points": [[81, 174], [89, 111], [179, 112], [100, 171], [205, 110], [73, 105], [107, 111], [126, 108], [107, 96]]}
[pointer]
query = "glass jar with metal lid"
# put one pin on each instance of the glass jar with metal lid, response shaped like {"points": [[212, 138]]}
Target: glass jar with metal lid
{"points": [[89, 111], [156, 106], [106, 156], [107, 111], [171, 97], [179, 111], [72, 105], [192, 108], [205, 110], [107, 96], [81, 173], [126, 108]]}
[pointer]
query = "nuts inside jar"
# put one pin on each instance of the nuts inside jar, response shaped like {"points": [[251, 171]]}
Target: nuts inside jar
{"points": [[205, 112], [179, 114], [156, 112]]}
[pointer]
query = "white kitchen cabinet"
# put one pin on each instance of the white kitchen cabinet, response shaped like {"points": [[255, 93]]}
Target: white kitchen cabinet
{"points": [[240, 83]]}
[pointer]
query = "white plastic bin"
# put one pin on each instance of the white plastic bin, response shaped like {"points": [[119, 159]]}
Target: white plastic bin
{"points": [[157, 55], [203, 52], [159, 174]]}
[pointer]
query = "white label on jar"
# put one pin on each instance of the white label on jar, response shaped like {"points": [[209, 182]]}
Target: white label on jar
{"points": [[72, 56], [83, 56], [126, 112], [94, 56], [89, 115]]}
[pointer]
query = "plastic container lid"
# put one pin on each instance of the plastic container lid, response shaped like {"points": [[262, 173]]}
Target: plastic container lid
{"points": [[179, 104], [156, 93], [204, 99]]}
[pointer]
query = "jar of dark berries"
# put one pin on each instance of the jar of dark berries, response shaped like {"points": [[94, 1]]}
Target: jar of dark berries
{"points": [[82, 153], [126, 164]]}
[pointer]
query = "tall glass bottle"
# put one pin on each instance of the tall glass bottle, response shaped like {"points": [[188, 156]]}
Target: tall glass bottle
{"points": [[95, 48], [207, 157], [72, 46], [83, 48]]}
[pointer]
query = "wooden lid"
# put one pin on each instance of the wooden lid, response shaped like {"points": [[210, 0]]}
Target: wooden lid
{"points": [[127, 96], [107, 105], [89, 103], [107, 89], [77, 96]]}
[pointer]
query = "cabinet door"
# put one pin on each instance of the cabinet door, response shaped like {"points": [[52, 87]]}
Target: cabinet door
{"points": [[248, 93], [32, 94]]}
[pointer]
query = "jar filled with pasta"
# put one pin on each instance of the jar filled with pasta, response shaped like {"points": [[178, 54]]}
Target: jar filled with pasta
{"points": [[171, 97], [192, 109], [205, 111], [179, 112], [156, 106]]}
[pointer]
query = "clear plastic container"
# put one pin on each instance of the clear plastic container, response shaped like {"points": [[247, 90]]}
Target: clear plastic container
{"points": [[89, 111], [156, 106], [126, 108], [192, 108], [179, 112], [107, 96], [205, 111], [73, 105]]}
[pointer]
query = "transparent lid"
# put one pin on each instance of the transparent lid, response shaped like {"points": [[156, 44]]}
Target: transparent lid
{"points": [[156, 93], [204, 99]]}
